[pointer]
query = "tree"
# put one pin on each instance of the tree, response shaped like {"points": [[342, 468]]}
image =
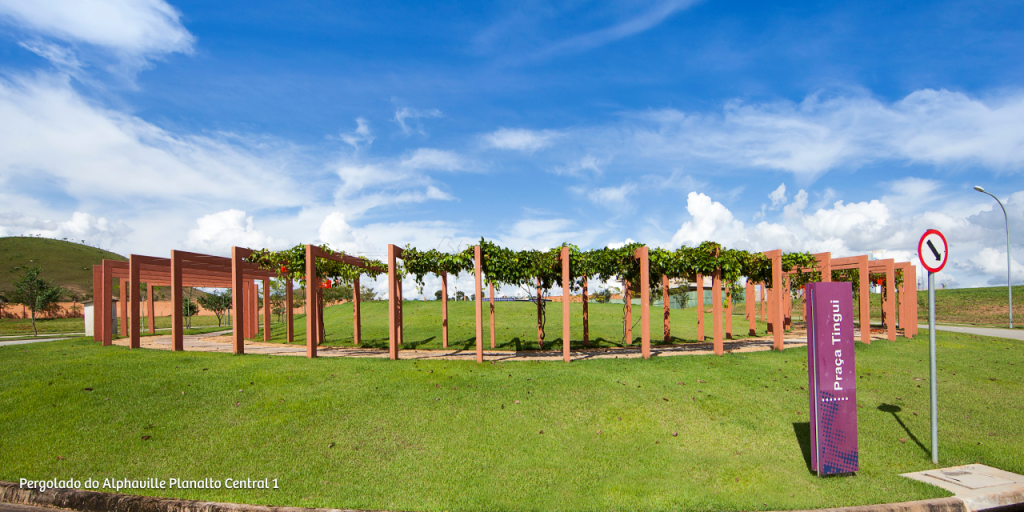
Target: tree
{"points": [[437, 295], [34, 293], [460, 295], [367, 293], [219, 303], [189, 308]]}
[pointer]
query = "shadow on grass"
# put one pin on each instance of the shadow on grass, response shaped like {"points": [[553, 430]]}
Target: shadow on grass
{"points": [[803, 438], [893, 409]]}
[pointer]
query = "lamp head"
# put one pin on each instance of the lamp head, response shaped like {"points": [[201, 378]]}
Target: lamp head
{"points": [[979, 188]]}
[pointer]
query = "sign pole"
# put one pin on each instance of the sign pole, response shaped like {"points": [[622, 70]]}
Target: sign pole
{"points": [[931, 357]]}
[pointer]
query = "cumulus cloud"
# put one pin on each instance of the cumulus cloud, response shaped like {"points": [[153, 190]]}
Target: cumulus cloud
{"points": [[992, 262], [778, 197], [131, 29], [81, 227], [527, 141], [710, 220], [217, 232], [336, 232]]}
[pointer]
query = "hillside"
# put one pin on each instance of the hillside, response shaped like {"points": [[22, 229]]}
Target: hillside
{"points": [[67, 264]]}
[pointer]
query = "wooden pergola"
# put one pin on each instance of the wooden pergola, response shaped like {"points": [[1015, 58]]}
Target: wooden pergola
{"points": [[315, 317], [180, 270]]}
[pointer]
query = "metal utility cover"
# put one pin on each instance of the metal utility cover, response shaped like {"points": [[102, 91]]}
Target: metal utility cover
{"points": [[968, 479]]}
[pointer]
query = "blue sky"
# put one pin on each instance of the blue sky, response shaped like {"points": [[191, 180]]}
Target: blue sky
{"points": [[146, 125]]}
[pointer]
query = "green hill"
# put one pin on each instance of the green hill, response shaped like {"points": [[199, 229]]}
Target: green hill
{"points": [[67, 264]]}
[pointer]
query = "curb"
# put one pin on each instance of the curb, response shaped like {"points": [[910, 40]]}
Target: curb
{"points": [[93, 501]]}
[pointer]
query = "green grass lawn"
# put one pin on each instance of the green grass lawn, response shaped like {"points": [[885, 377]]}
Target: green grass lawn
{"points": [[449, 435], [515, 325]]}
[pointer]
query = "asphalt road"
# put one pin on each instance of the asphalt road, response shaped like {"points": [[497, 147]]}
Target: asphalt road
{"points": [[1013, 334]]}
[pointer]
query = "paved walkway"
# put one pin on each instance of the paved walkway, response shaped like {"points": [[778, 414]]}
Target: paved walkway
{"points": [[217, 342], [33, 340], [1013, 334]]}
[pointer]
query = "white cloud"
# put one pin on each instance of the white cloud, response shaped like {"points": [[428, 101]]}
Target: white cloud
{"points": [[360, 138], [587, 163], [49, 132], [435, 160], [336, 232], [217, 232], [610, 197], [711, 220], [404, 113], [778, 197], [527, 141], [992, 262], [81, 227], [798, 205], [127, 27]]}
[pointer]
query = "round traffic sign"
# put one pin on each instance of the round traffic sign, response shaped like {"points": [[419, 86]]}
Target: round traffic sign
{"points": [[932, 250]]}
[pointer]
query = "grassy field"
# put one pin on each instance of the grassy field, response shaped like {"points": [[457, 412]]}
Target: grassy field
{"points": [[975, 306], [67, 264], [515, 325], [686, 432]]}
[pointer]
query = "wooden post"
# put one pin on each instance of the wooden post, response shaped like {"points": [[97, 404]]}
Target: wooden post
{"points": [[107, 300], [728, 312], [540, 326], [910, 276], [399, 311], [133, 297], [492, 313], [586, 315], [177, 325], [237, 302], [392, 312], [749, 301], [566, 328], [628, 304], [865, 299], [700, 307], [122, 324], [716, 311], [289, 299], [665, 306], [444, 309], [150, 309], [477, 271], [312, 287], [764, 302], [643, 254], [97, 297], [357, 319], [890, 303], [266, 309], [777, 300]]}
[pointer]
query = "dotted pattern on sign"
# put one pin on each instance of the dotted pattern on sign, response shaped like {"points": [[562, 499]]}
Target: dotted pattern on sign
{"points": [[835, 460]]}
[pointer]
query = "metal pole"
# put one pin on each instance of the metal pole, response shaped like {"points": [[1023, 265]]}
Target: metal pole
{"points": [[931, 358], [1009, 275]]}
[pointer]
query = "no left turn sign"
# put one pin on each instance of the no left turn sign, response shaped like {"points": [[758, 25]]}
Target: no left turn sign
{"points": [[932, 250]]}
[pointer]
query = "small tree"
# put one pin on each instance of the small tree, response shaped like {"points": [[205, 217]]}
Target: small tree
{"points": [[437, 295], [34, 293], [367, 293], [189, 308], [219, 303]]}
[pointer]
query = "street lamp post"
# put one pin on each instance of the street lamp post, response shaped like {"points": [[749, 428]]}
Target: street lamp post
{"points": [[1009, 280]]}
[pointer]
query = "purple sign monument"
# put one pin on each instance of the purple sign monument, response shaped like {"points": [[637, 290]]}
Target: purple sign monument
{"points": [[832, 378]]}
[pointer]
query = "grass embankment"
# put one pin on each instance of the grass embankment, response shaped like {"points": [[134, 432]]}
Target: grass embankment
{"points": [[975, 306], [67, 264], [450, 435], [515, 325]]}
